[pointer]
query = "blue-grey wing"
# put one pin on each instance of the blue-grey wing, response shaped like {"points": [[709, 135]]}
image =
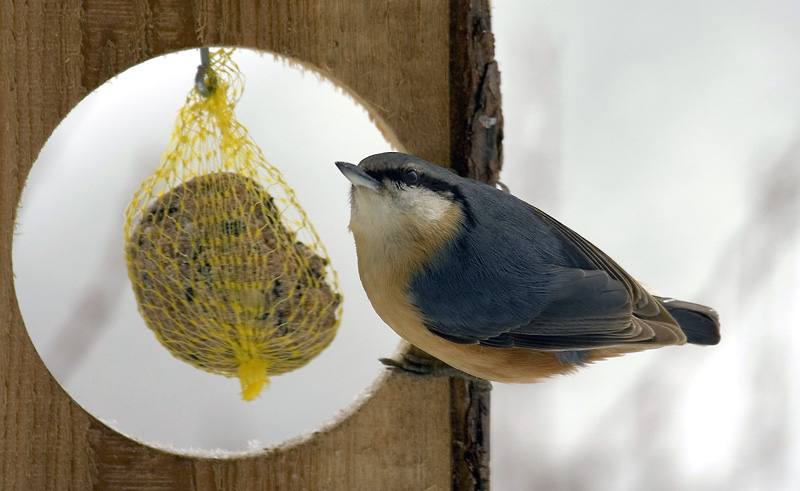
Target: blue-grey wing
{"points": [[518, 277]]}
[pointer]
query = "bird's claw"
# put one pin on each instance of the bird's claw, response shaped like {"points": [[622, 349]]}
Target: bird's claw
{"points": [[415, 366]]}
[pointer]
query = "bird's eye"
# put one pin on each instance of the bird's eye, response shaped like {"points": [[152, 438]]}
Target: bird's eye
{"points": [[410, 177]]}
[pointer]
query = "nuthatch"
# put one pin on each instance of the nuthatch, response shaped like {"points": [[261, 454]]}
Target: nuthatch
{"points": [[491, 285]]}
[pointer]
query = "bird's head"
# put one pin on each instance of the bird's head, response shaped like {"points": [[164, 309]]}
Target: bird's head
{"points": [[402, 203]]}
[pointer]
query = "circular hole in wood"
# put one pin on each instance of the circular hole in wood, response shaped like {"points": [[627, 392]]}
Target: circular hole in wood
{"points": [[72, 283]]}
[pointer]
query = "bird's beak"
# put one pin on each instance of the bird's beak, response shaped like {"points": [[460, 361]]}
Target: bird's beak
{"points": [[358, 176]]}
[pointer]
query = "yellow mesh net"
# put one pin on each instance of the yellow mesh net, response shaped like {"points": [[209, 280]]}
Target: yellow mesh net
{"points": [[227, 270]]}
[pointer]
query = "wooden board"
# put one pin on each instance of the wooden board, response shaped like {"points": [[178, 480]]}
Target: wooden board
{"points": [[425, 71]]}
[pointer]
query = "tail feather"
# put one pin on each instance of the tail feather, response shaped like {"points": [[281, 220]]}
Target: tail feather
{"points": [[698, 322]]}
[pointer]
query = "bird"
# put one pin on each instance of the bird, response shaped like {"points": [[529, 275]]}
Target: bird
{"points": [[494, 287]]}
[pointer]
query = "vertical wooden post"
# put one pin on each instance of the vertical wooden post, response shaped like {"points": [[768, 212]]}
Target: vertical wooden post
{"points": [[424, 70], [476, 135]]}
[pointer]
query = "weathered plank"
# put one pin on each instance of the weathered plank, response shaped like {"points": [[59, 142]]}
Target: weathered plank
{"points": [[426, 73]]}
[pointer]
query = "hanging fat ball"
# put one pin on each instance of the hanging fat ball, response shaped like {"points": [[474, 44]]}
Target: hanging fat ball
{"points": [[228, 273]]}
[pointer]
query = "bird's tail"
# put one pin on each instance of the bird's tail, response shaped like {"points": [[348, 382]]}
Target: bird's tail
{"points": [[699, 323]]}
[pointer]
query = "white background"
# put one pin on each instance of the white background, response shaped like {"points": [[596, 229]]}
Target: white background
{"points": [[665, 132]]}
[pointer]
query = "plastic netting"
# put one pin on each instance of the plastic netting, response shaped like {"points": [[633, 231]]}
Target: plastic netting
{"points": [[226, 268]]}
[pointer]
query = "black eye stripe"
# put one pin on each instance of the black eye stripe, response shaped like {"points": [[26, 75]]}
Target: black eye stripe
{"points": [[375, 174], [397, 175], [424, 180]]}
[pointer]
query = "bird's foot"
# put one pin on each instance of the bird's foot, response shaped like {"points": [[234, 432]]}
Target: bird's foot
{"points": [[416, 366]]}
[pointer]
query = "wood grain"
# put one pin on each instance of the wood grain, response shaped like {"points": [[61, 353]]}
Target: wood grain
{"points": [[426, 75]]}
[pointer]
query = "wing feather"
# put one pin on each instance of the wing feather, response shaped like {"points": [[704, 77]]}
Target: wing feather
{"points": [[526, 280]]}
